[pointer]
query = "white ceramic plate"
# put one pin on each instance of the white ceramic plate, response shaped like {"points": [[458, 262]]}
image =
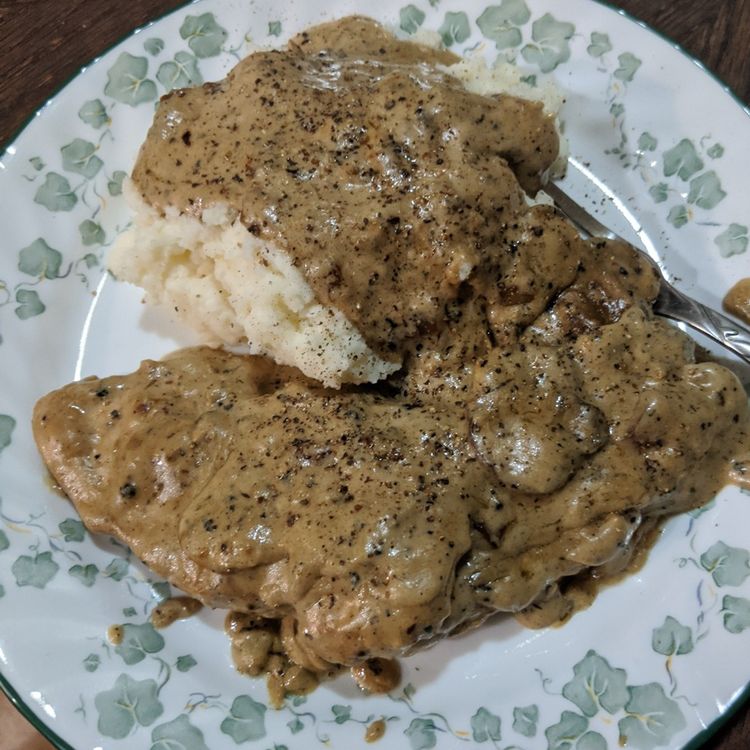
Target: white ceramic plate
{"points": [[654, 662]]}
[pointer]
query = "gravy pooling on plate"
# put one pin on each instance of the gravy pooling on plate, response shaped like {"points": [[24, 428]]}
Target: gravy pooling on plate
{"points": [[543, 423], [737, 300]]}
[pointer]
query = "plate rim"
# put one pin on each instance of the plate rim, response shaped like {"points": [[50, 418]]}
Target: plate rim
{"points": [[31, 716], [740, 701]]}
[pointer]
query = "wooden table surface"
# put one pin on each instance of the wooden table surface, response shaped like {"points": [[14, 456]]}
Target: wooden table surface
{"points": [[45, 42]]}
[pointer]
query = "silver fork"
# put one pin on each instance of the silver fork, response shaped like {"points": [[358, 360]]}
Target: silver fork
{"points": [[671, 303]]}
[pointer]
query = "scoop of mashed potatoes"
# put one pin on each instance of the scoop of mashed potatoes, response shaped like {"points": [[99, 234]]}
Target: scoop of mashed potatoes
{"points": [[236, 289]]}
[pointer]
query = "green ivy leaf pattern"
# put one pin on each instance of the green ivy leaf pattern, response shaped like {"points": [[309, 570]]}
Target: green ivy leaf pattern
{"points": [[127, 704], [342, 713], [454, 29], [79, 156], [295, 725], [591, 741], [599, 44], [91, 233], [728, 566], [653, 718], [705, 191], [2, 591], [204, 36], [90, 260], [91, 662], [117, 569], [40, 260], [180, 72], [127, 82], [86, 574], [55, 193], [736, 611], [115, 184], [185, 663], [410, 19], [732, 241], [647, 142], [129, 612], [29, 304], [274, 28], [4, 543], [7, 425], [525, 720], [509, 11], [629, 65], [246, 720], [596, 684], [35, 571], [682, 160], [562, 735], [422, 734], [551, 48], [137, 641], [94, 113], [678, 216], [72, 530], [505, 39], [616, 110], [659, 192], [672, 638], [153, 46], [178, 734], [500, 23], [716, 151], [36, 163], [485, 726]]}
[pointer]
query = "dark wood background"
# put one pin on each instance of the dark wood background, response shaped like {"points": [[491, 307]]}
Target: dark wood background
{"points": [[43, 43]]}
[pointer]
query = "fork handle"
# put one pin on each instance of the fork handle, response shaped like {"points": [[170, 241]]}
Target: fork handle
{"points": [[671, 303]]}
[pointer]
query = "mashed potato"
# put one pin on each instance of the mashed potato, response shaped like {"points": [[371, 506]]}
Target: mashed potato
{"points": [[237, 289]]}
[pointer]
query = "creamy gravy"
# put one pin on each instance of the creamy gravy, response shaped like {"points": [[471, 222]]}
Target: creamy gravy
{"points": [[369, 523], [173, 609], [543, 423], [737, 300], [375, 731], [258, 648], [375, 170], [115, 634]]}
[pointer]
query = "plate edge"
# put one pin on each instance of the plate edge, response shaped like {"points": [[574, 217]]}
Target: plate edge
{"points": [[741, 700], [31, 716], [8, 145]]}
